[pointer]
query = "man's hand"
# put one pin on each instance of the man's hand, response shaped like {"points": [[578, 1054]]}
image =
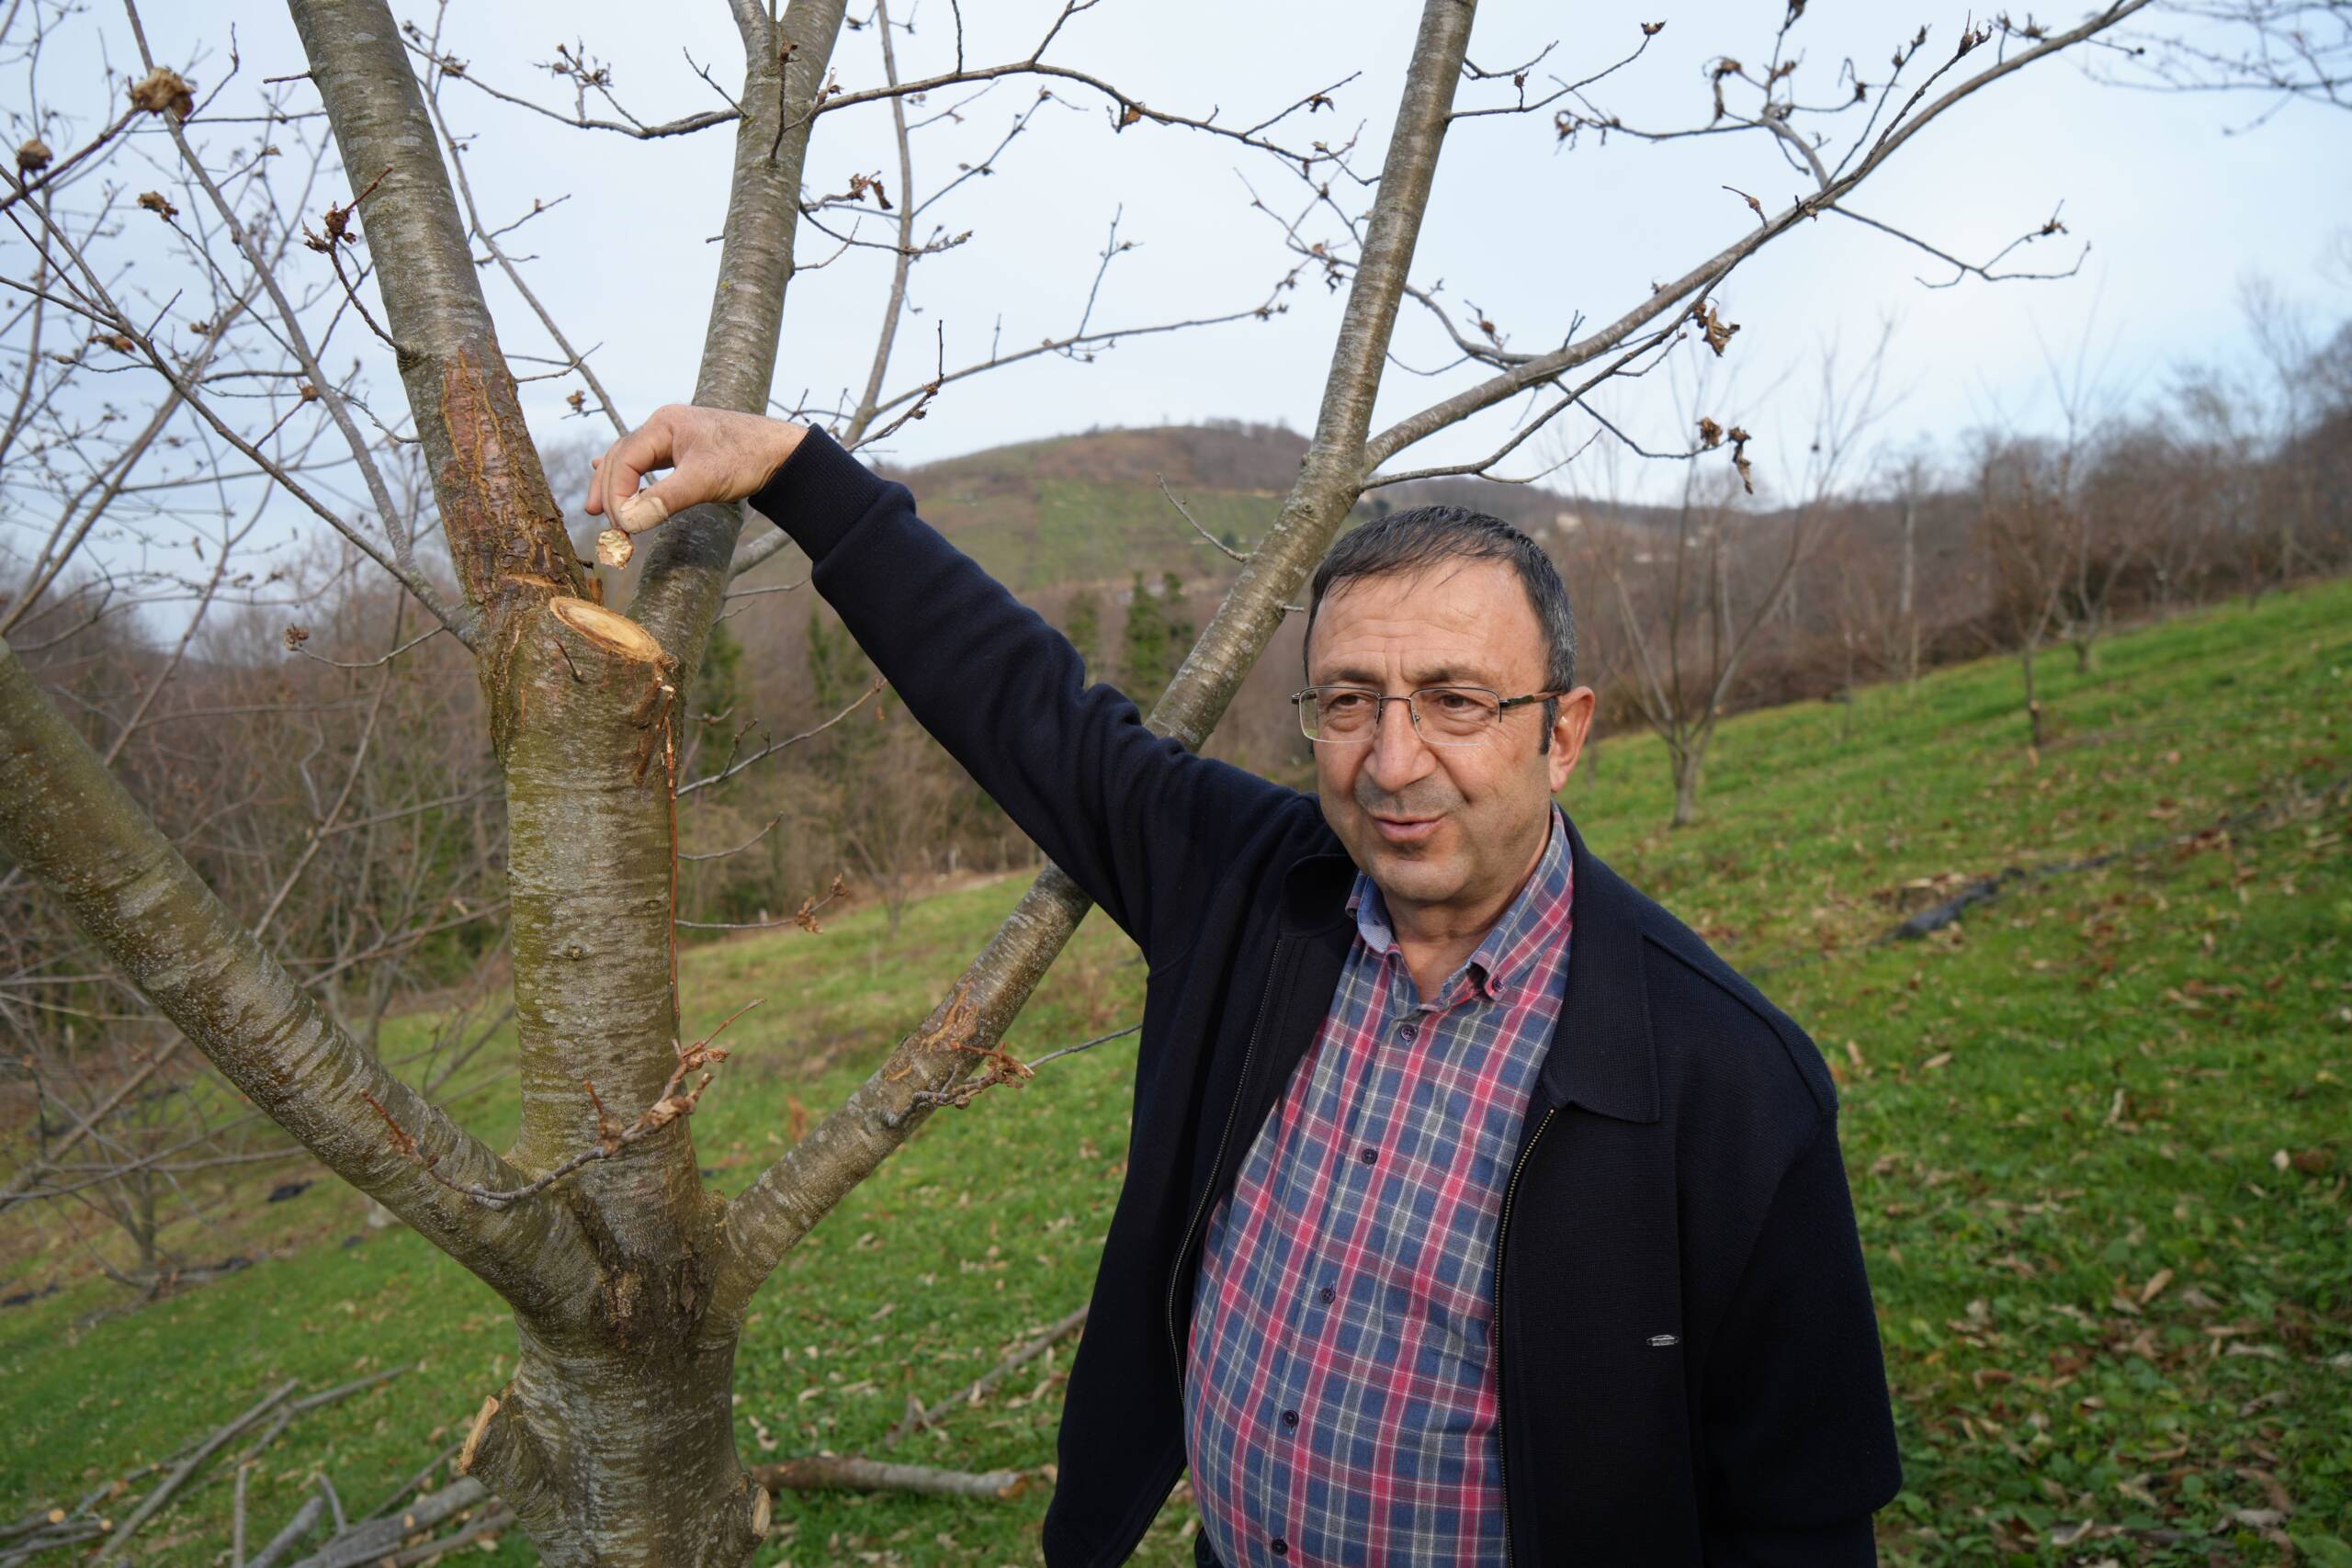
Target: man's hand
{"points": [[712, 455]]}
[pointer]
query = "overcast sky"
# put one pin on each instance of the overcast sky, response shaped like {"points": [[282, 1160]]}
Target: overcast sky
{"points": [[2176, 209]]}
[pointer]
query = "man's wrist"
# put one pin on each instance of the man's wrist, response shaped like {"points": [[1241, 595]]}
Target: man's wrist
{"points": [[818, 493], [786, 437]]}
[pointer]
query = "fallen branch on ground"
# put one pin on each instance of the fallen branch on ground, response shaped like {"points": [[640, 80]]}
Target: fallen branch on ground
{"points": [[371, 1541], [45, 1530], [844, 1473], [917, 1417], [180, 1472]]}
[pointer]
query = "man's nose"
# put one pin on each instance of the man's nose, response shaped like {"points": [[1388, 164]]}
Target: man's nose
{"points": [[1399, 755]]}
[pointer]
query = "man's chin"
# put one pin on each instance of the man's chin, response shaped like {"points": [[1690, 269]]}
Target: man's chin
{"points": [[1419, 873]]}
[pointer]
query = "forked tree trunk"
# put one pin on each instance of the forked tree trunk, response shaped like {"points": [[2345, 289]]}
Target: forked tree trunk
{"points": [[614, 1441]]}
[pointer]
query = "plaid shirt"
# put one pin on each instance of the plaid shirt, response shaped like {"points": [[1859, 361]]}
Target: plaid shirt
{"points": [[1340, 1398]]}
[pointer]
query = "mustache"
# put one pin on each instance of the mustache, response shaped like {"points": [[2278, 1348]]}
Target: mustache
{"points": [[1424, 798]]}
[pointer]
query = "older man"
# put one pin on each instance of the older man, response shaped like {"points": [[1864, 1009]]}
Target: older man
{"points": [[1434, 1246]]}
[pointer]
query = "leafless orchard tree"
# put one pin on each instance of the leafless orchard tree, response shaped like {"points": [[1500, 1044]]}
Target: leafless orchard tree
{"points": [[2032, 534], [629, 1277], [123, 509], [1692, 599], [342, 806]]}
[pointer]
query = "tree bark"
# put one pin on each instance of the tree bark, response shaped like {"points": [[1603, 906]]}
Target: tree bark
{"points": [[506, 533], [785, 63], [614, 1442]]}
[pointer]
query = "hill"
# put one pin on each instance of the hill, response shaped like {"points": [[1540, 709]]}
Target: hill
{"points": [[1078, 510]]}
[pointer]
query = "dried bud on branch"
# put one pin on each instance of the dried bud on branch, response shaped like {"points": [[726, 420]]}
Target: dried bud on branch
{"points": [[1719, 332], [338, 220], [164, 89]]}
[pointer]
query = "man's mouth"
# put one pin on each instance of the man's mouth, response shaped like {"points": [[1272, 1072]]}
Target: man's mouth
{"points": [[1406, 829]]}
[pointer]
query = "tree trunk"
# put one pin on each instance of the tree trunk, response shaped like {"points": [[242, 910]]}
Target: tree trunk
{"points": [[1686, 764], [1907, 607], [620, 1449], [2032, 702], [614, 1442]]}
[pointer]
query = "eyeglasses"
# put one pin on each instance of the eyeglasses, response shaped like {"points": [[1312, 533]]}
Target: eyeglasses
{"points": [[1442, 716]]}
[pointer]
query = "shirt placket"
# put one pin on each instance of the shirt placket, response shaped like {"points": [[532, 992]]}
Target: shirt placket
{"points": [[1317, 1298]]}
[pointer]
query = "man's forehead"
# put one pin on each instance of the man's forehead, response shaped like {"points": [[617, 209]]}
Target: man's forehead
{"points": [[1455, 621]]}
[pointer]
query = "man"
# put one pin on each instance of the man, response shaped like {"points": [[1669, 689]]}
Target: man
{"points": [[1475, 1212]]}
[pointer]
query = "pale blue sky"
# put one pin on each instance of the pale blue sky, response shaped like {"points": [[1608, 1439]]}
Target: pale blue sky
{"points": [[2177, 210]]}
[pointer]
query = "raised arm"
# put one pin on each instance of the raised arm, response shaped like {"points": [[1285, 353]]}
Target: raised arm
{"points": [[1140, 823]]}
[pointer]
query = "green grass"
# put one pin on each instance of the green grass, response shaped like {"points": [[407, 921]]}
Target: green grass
{"points": [[2098, 1134]]}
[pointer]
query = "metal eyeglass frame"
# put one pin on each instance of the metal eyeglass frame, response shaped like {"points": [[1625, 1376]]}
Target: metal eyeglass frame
{"points": [[1503, 705]]}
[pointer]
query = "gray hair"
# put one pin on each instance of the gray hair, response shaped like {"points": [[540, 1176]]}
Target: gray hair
{"points": [[1423, 536]]}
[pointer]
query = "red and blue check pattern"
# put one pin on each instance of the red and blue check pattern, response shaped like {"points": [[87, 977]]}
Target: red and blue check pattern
{"points": [[1340, 1396]]}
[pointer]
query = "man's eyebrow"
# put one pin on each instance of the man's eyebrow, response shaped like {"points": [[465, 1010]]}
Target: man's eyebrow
{"points": [[1432, 675]]}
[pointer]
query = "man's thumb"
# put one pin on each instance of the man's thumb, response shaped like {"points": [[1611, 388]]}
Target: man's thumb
{"points": [[648, 508]]}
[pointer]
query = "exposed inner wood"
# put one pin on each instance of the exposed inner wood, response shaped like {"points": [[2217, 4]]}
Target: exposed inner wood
{"points": [[607, 629], [473, 1437]]}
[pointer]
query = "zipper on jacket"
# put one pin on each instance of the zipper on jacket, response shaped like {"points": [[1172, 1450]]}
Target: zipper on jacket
{"points": [[1208, 1194], [1503, 1230]]}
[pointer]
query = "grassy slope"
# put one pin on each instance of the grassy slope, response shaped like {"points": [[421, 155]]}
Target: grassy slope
{"points": [[2102, 1298]]}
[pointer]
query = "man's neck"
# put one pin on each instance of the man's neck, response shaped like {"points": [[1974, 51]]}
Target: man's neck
{"points": [[1437, 939]]}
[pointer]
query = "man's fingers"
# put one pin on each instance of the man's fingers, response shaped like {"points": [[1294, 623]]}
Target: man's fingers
{"points": [[623, 467], [648, 508]]}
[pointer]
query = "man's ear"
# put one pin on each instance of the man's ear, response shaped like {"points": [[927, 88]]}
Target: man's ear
{"points": [[1568, 733]]}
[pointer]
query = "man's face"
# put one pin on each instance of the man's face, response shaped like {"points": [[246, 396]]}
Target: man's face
{"points": [[1442, 828]]}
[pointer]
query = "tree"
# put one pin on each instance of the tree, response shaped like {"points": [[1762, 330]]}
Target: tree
{"points": [[2032, 535], [1144, 653], [1179, 620], [1693, 601], [1085, 629], [1154, 638], [628, 1277]]}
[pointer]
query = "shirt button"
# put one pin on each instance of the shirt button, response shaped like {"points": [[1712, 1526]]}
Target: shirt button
{"points": [[1407, 1033], [1369, 1155], [1325, 1295], [1290, 1417], [1281, 1547]]}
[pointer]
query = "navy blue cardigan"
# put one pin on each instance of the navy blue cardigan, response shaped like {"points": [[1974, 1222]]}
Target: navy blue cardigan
{"points": [[1687, 1353]]}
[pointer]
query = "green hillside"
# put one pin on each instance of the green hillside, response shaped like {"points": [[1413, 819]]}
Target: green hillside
{"points": [[1079, 510], [2100, 1132]]}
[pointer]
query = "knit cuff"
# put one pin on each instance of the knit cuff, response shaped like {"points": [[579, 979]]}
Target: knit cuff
{"points": [[819, 494]]}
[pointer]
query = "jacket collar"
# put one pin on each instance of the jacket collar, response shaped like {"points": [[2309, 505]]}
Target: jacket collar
{"points": [[1602, 1056]]}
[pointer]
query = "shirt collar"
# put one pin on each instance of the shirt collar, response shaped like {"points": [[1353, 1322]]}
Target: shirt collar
{"points": [[1528, 925]]}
